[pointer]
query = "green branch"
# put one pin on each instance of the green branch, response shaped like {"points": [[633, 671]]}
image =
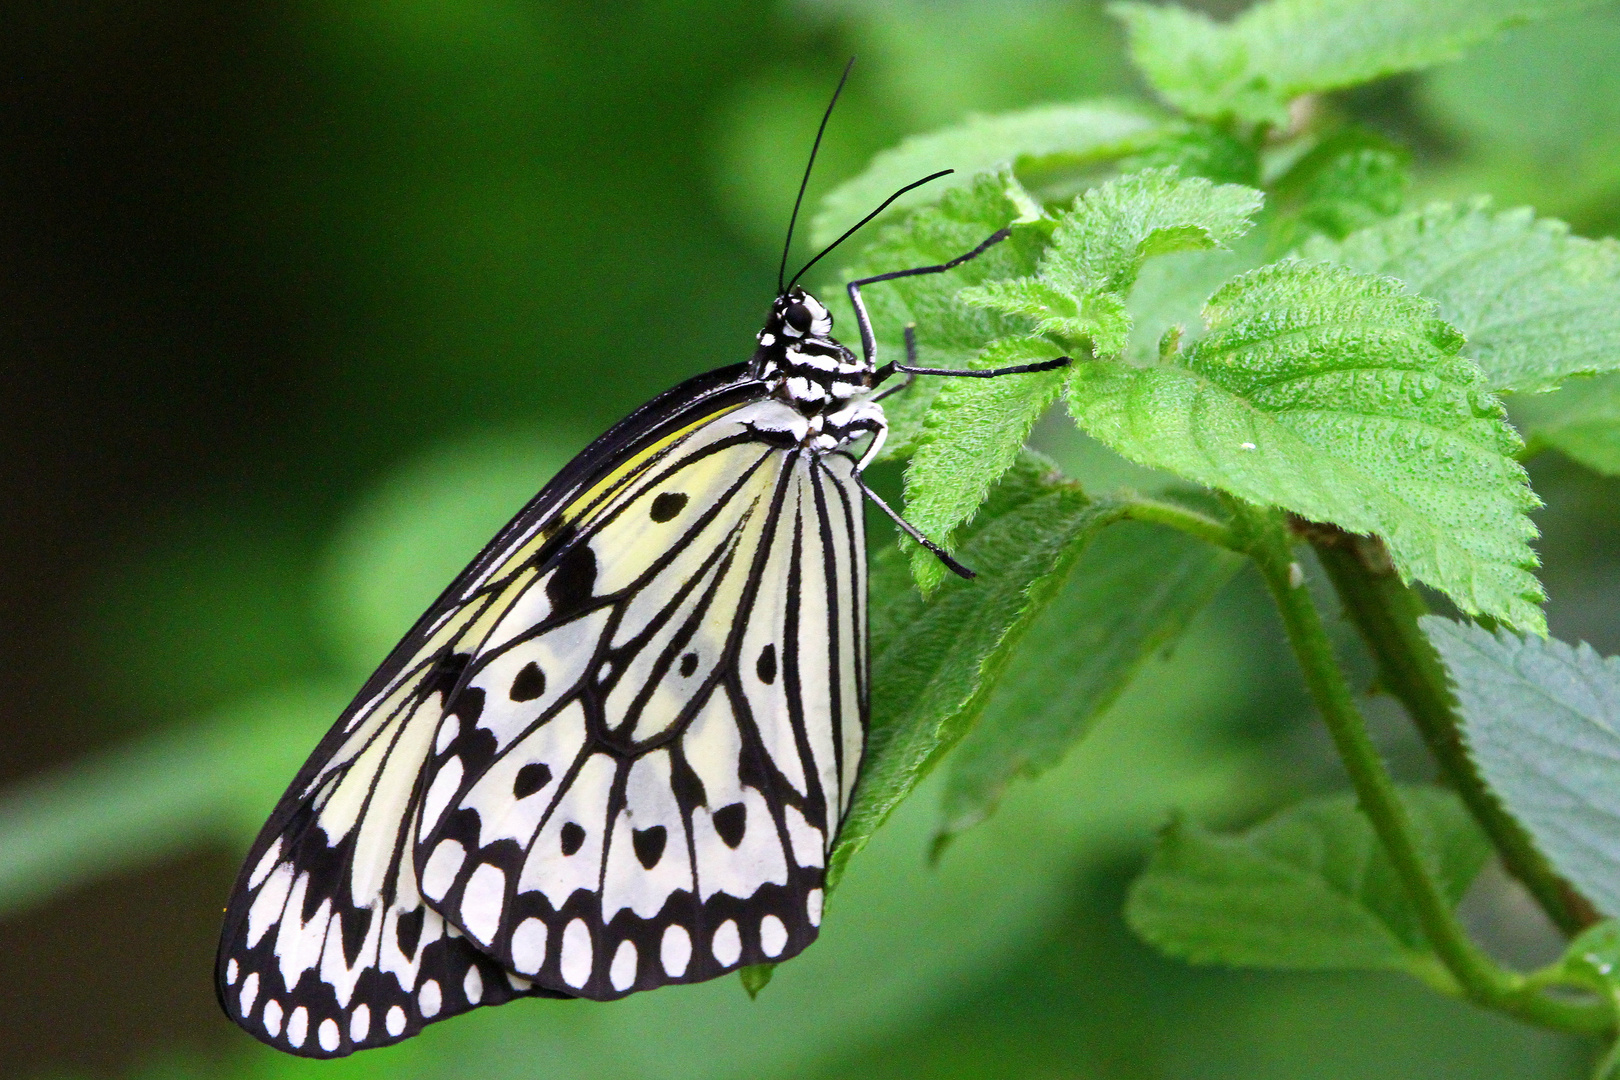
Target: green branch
{"points": [[1385, 611], [1181, 518], [1478, 978]]}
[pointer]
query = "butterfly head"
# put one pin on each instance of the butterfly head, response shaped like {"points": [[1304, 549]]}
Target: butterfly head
{"points": [[795, 316]]}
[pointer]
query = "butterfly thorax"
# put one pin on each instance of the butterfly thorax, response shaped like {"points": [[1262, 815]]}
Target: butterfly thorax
{"points": [[806, 368]]}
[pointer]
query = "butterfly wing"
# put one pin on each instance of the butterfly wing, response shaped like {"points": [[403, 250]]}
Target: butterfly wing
{"points": [[657, 742], [328, 946]]}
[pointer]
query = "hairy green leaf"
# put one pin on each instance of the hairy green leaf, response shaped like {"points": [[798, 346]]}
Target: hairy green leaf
{"points": [[1130, 595], [1340, 397], [1351, 180], [1045, 137], [950, 334], [1252, 66], [1536, 303], [1099, 246], [1542, 721], [1580, 419], [935, 660], [971, 436], [1310, 889]]}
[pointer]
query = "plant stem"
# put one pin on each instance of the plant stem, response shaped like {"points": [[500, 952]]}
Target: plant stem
{"points": [[1269, 543], [1182, 518], [1386, 612]]}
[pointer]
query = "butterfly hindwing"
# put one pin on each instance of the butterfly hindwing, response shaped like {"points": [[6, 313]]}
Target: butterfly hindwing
{"points": [[328, 946], [667, 728]]}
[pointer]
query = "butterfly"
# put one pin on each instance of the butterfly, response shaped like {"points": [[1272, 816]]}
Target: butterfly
{"points": [[616, 752]]}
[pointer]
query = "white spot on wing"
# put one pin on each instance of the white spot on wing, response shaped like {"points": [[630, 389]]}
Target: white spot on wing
{"points": [[266, 861], [812, 906], [428, 999], [272, 1017], [395, 1021], [576, 954], [250, 991], [727, 945], [441, 869], [772, 935], [231, 972], [473, 986], [623, 972], [483, 901], [328, 1034], [297, 1026], [808, 845], [360, 1023], [675, 951], [267, 907], [445, 782], [529, 946]]}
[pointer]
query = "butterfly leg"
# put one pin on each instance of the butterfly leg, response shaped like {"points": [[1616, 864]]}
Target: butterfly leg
{"points": [[911, 531], [910, 368]]}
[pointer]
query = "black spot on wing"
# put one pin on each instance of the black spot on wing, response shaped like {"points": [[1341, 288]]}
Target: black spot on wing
{"points": [[689, 664], [326, 866], [354, 921], [529, 684], [765, 668], [446, 674], [667, 505], [408, 930], [572, 582], [731, 822], [467, 704], [686, 784], [649, 844], [573, 837], [530, 779]]}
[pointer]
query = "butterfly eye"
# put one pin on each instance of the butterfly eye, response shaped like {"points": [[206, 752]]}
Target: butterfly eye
{"points": [[798, 317]]}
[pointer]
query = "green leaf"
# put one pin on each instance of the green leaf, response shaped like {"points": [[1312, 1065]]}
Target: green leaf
{"points": [[1199, 148], [756, 977], [1353, 179], [1542, 721], [1099, 246], [935, 660], [1340, 397], [1254, 65], [950, 334], [1053, 136], [1130, 596], [1309, 889], [971, 436], [1580, 419], [1537, 304]]}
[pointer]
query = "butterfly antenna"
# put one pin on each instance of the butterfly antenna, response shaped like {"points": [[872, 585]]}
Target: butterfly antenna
{"points": [[787, 245], [855, 228]]}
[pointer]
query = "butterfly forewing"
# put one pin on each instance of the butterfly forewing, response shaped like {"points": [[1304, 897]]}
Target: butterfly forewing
{"points": [[649, 759], [328, 946]]}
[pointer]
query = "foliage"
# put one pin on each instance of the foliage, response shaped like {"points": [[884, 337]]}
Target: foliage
{"points": [[1542, 719], [1311, 888]]}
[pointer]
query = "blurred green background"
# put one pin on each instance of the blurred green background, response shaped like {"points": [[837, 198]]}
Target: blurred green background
{"points": [[300, 300]]}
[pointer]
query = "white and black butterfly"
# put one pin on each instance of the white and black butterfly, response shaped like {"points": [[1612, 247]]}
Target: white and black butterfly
{"points": [[616, 752]]}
